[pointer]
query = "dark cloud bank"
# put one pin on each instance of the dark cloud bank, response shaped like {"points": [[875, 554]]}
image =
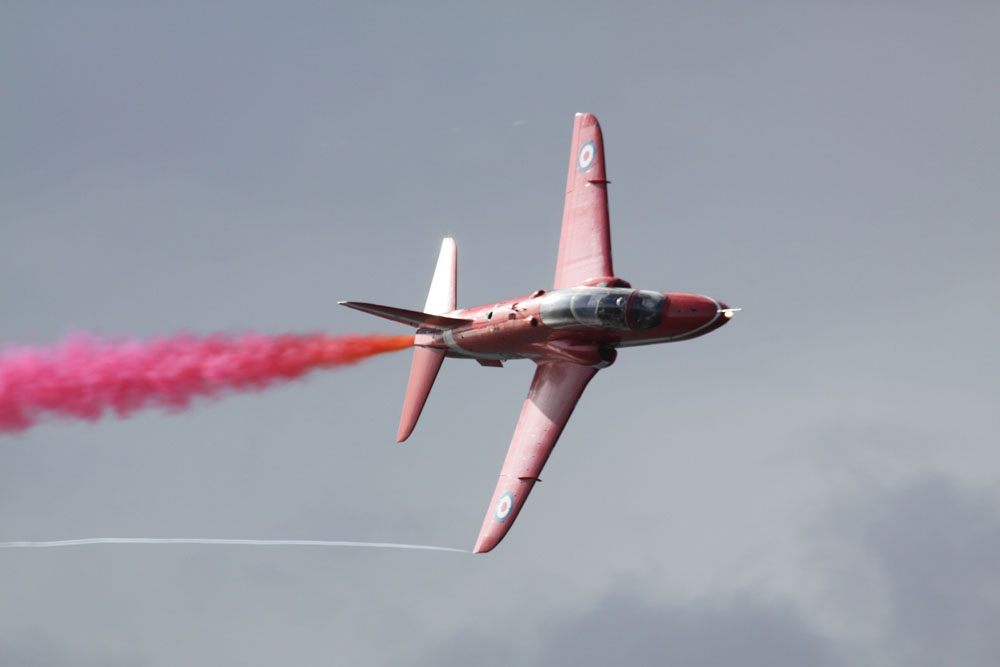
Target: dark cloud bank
{"points": [[928, 553]]}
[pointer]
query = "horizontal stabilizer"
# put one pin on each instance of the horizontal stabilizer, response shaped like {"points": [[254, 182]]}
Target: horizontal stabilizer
{"points": [[414, 318], [423, 371]]}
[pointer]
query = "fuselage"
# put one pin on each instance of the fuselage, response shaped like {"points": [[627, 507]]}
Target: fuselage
{"points": [[584, 325]]}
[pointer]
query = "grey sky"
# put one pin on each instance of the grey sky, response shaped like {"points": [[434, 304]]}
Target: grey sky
{"points": [[814, 484]]}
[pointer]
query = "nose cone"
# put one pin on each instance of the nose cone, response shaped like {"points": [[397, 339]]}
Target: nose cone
{"points": [[692, 315]]}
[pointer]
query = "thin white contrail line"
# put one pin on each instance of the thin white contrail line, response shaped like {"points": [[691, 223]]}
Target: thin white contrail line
{"points": [[206, 540]]}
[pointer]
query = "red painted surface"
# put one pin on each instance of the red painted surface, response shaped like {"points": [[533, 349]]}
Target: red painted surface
{"points": [[569, 332], [585, 242], [423, 371], [554, 392]]}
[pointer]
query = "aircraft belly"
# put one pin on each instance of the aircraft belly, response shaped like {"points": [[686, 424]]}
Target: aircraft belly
{"points": [[513, 339]]}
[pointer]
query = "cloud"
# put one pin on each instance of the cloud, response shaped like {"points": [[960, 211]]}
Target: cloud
{"points": [[36, 650], [925, 554], [909, 572], [628, 629], [631, 631]]}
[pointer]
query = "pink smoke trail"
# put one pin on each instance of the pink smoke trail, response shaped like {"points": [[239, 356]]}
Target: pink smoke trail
{"points": [[84, 377]]}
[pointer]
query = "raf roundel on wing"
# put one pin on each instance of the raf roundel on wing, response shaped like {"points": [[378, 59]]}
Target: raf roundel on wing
{"points": [[587, 154], [504, 506]]}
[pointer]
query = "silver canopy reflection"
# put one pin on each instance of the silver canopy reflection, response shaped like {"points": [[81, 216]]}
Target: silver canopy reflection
{"points": [[604, 307]]}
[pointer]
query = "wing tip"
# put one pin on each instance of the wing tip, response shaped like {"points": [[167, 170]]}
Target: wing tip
{"points": [[485, 544]]}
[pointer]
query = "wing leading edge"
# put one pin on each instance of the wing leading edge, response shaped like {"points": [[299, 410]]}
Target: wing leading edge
{"points": [[554, 392], [585, 241]]}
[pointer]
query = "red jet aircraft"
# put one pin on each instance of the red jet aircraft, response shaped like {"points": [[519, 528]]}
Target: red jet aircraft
{"points": [[570, 332]]}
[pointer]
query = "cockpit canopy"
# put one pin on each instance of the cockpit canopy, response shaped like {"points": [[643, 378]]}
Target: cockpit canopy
{"points": [[602, 307]]}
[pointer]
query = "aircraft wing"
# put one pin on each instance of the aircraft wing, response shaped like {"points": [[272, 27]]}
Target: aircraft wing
{"points": [[555, 389], [585, 243]]}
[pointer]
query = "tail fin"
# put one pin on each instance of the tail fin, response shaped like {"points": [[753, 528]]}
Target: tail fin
{"points": [[427, 361], [441, 298]]}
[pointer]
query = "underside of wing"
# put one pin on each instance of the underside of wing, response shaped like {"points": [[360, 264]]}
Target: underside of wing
{"points": [[555, 389], [585, 242]]}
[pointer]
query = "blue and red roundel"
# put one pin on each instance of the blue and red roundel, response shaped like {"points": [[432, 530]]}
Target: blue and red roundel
{"points": [[504, 507], [586, 157]]}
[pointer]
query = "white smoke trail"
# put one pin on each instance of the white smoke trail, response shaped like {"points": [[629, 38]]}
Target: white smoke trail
{"points": [[205, 540]]}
